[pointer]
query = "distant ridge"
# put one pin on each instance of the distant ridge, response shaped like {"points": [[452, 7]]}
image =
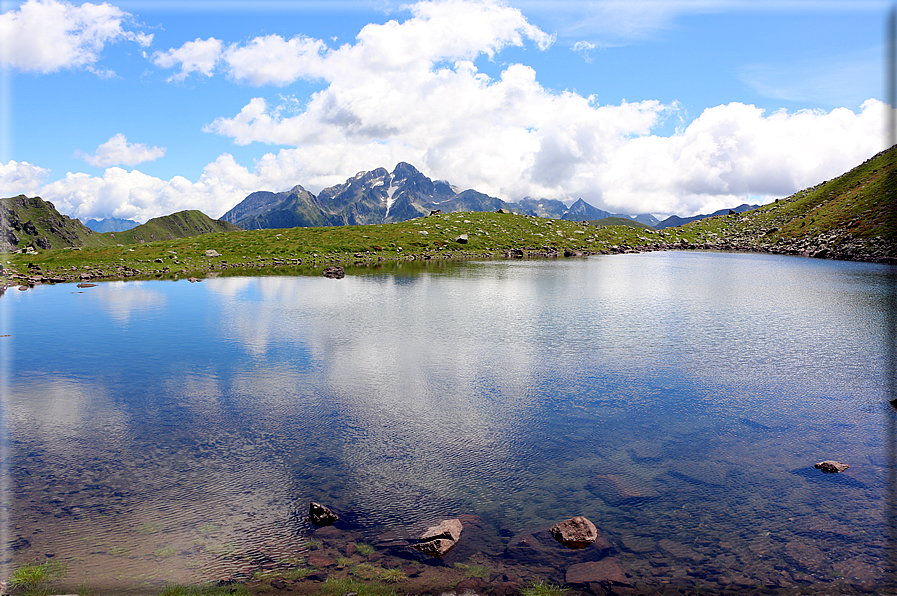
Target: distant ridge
{"points": [[675, 220], [110, 224], [380, 196]]}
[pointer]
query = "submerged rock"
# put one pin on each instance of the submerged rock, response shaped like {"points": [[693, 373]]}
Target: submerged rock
{"points": [[606, 571], [831, 466], [576, 532], [321, 515], [440, 539]]}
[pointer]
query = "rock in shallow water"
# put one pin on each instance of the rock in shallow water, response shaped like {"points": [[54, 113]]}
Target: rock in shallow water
{"points": [[576, 532], [321, 515], [831, 466], [440, 539]]}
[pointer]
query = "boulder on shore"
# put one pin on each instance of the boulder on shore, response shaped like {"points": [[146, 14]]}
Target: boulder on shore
{"points": [[576, 532]]}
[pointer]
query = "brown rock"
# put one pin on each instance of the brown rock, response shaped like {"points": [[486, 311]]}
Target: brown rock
{"points": [[831, 466], [576, 532], [440, 539], [321, 515], [321, 561], [438, 547], [606, 571], [449, 529]]}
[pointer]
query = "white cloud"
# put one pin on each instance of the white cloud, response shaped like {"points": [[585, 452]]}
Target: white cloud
{"points": [[48, 35], [135, 195], [411, 91], [447, 30], [585, 48], [117, 150], [194, 56], [21, 177], [734, 151]]}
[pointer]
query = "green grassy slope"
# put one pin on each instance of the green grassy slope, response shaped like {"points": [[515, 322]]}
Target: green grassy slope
{"points": [[853, 216], [620, 221], [489, 235], [182, 224]]}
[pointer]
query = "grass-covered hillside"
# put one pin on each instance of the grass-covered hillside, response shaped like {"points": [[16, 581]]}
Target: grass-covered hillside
{"points": [[182, 224], [853, 216]]}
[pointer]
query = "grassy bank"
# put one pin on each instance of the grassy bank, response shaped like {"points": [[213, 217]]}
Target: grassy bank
{"points": [[454, 236]]}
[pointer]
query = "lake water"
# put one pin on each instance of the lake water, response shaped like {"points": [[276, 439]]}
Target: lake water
{"points": [[175, 432]]}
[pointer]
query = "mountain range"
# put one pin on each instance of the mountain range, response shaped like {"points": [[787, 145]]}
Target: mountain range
{"points": [[380, 196]]}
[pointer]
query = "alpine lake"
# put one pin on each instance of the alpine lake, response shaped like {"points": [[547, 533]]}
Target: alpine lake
{"points": [[163, 432]]}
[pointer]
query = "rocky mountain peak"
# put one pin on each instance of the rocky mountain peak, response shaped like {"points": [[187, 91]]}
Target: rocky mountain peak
{"points": [[404, 171]]}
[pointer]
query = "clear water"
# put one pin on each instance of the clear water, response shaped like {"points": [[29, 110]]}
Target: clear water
{"points": [[169, 431]]}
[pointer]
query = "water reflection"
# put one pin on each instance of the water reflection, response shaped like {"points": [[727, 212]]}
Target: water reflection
{"points": [[677, 400]]}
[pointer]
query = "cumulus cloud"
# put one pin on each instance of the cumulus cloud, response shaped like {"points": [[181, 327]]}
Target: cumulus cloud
{"points": [[134, 195], [47, 35], [21, 177], [194, 56], [446, 30], [117, 150]]}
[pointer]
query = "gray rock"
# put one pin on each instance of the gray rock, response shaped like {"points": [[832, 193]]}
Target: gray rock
{"points": [[211, 253], [321, 515], [462, 239], [831, 466], [576, 532]]}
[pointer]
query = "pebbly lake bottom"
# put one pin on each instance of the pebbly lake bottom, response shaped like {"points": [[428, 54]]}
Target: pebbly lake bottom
{"points": [[163, 432]]}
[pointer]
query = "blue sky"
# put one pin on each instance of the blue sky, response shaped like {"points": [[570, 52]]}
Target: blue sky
{"points": [[137, 109]]}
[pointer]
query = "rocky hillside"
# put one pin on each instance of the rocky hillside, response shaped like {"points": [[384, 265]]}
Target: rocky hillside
{"points": [[32, 222], [853, 217]]}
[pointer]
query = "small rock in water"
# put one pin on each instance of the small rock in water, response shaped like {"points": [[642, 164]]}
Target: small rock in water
{"points": [[438, 540], [321, 515], [831, 466], [576, 532]]}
